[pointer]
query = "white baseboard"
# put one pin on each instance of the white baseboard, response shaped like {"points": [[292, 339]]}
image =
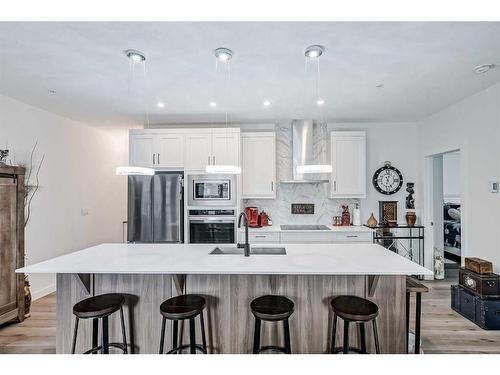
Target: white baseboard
{"points": [[36, 294]]}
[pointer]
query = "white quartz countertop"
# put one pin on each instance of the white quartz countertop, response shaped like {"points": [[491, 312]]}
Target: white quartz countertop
{"points": [[277, 228], [310, 259]]}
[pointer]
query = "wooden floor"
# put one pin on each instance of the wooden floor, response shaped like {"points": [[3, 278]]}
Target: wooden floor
{"points": [[443, 330], [36, 334]]}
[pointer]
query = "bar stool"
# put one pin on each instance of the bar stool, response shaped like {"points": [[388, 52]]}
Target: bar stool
{"points": [[95, 308], [413, 286], [183, 307], [271, 308], [358, 310]]}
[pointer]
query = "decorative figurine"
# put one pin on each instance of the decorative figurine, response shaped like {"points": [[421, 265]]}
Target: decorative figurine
{"points": [[410, 201], [346, 216], [3, 156]]}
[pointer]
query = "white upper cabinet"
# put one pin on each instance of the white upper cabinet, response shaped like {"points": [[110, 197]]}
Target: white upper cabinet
{"points": [[189, 149], [348, 156], [258, 165], [198, 150], [225, 147], [170, 150], [142, 150], [163, 148]]}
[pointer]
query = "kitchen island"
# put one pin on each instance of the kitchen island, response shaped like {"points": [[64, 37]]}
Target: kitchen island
{"points": [[310, 275]]}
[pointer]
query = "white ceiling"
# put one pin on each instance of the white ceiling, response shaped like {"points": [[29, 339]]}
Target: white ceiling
{"points": [[423, 66]]}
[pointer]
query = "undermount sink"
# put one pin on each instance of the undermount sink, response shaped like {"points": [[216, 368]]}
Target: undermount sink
{"points": [[232, 250]]}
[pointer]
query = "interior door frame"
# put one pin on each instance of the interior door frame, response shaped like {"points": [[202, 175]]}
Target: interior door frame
{"points": [[428, 213]]}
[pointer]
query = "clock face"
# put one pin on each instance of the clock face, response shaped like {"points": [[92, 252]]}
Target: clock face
{"points": [[387, 180]]}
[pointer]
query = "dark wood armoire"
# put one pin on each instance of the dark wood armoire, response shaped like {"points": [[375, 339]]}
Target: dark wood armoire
{"points": [[11, 242]]}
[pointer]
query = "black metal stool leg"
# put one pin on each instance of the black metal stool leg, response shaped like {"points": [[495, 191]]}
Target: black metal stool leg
{"points": [[334, 333], [407, 320], [375, 336], [192, 336], [203, 337], [346, 337], [75, 332], [162, 334], [418, 313], [105, 336], [286, 329], [256, 337], [175, 334], [362, 338], [95, 334], [124, 336]]}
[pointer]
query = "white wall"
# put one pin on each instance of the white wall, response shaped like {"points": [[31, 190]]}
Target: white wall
{"points": [[78, 172], [397, 143], [473, 126], [451, 177]]}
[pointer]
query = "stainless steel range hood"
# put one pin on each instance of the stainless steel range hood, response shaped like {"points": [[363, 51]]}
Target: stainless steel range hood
{"points": [[308, 156]]}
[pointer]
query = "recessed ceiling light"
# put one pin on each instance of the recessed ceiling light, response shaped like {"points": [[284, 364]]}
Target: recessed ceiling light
{"points": [[481, 69], [134, 55], [267, 103], [314, 51], [213, 104], [320, 101], [379, 85], [160, 105], [52, 91], [223, 54]]}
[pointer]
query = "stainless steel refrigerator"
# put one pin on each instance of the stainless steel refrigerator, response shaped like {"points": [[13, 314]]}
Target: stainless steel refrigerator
{"points": [[156, 208]]}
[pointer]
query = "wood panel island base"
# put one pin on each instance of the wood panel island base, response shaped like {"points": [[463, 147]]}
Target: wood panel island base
{"points": [[310, 275]]}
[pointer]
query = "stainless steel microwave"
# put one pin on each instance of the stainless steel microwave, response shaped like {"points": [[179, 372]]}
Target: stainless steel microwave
{"points": [[211, 190]]}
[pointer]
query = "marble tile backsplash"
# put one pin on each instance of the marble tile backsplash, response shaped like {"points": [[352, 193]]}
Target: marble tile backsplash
{"points": [[279, 209]]}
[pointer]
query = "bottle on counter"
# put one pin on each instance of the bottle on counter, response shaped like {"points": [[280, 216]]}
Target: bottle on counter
{"points": [[346, 216], [356, 216]]}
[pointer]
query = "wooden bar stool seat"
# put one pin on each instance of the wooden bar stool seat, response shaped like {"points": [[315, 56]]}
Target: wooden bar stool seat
{"points": [[184, 307], [272, 308], [353, 309], [99, 306], [95, 308]]}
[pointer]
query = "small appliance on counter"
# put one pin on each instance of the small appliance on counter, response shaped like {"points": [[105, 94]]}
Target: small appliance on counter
{"points": [[263, 219], [253, 216]]}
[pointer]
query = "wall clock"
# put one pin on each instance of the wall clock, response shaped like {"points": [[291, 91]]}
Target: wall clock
{"points": [[387, 179]]}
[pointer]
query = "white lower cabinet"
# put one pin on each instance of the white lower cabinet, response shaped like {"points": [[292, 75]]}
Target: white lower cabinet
{"points": [[270, 237], [284, 237]]}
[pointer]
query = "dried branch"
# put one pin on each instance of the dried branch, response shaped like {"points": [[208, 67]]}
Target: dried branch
{"points": [[34, 190]]}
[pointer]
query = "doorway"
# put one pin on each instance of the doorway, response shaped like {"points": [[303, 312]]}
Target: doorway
{"points": [[447, 214]]}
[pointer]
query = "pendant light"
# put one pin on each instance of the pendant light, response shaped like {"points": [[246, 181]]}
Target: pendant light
{"points": [[312, 54], [134, 171], [223, 57], [136, 58]]}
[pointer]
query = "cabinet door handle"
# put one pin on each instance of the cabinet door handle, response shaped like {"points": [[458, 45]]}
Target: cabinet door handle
{"points": [[334, 185], [153, 159], [260, 236], [213, 160], [352, 236], [158, 157], [272, 185], [209, 160]]}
